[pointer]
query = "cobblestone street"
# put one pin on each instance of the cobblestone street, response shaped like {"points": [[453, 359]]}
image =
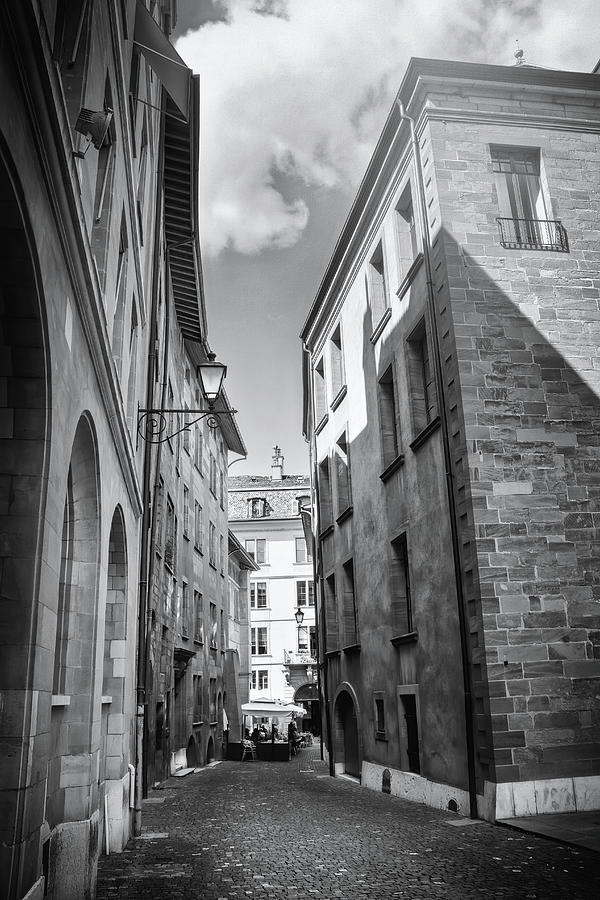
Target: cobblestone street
{"points": [[288, 830]]}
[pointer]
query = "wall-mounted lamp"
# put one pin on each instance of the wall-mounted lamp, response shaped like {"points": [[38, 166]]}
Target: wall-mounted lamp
{"points": [[94, 125], [153, 423], [299, 616]]}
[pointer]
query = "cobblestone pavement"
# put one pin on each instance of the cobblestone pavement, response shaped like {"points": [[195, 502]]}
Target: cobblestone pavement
{"points": [[258, 830]]}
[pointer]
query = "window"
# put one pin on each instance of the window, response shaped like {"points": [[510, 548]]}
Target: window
{"points": [[171, 536], [401, 612], [198, 448], [256, 507], [259, 646], [253, 680], [305, 593], [118, 328], [213, 626], [103, 191], [263, 679], [325, 501], [524, 221], [421, 376], [197, 526], [312, 639], [406, 232], [222, 630], [198, 617], [186, 433], [221, 489], [212, 544], [342, 465], [257, 549], [213, 474], [197, 688], [158, 514], [320, 392], [185, 608], [378, 700], [132, 378], [331, 616], [258, 595], [302, 553], [221, 554], [338, 375], [213, 700], [350, 619], [386, 397], [71, 49], [377, 293], [186, 511]]}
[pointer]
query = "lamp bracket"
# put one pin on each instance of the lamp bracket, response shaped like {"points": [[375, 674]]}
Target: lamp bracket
{"points": [[154, 423]]}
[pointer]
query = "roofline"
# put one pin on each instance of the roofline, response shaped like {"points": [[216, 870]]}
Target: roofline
{"points": [[241, 553], [421, 70]]}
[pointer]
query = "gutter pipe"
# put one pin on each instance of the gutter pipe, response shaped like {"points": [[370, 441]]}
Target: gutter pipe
{"points": [[453, 514]]}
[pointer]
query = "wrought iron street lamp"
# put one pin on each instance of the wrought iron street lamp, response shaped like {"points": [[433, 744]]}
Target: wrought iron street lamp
{"points": [[153, 424], [299, 616]]}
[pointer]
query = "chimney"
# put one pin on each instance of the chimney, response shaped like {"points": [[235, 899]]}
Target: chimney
{"points": [[277, 465]]}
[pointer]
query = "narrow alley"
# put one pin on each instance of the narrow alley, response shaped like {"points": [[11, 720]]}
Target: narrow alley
{"points": [[288, 830]]}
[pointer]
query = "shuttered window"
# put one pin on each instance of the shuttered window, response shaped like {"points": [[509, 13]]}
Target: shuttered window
{"points": [[350, 618], [421, 376], [377, 291], [401, 611], [342, 465], [387, 417], [331, 616]]}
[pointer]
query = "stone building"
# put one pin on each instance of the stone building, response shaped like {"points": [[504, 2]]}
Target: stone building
{"points": [[99, 311], [264, 514], [451, 359]]}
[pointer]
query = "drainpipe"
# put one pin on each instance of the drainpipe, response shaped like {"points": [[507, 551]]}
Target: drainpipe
{"points": [[322, 684], [453, 514]]}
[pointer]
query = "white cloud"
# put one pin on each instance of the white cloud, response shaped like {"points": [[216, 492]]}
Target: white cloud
{"points": [[301, 88]]}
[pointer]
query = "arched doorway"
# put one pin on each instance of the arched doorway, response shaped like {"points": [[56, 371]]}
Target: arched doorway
{"points": [[346, 741], [26, 415], [210, 750]]}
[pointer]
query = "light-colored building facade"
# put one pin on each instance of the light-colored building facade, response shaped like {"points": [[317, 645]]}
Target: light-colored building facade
{"points": [[264, 514], [452, 410]]}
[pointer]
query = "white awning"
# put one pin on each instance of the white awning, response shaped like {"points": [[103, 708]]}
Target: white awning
{"points": [[159, 53], [271, 709]]}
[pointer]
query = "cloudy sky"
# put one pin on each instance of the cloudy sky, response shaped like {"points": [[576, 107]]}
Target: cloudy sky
{"points": [[294, 94]]}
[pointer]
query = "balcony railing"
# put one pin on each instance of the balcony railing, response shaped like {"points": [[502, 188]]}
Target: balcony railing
{"points": [[533, 234]]}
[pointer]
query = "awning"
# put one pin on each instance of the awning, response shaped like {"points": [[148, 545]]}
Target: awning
{"points": [[159, 53], [271, 709]]}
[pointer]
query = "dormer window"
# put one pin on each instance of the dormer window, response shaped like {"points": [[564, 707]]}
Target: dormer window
{"points": [[257, 507]]}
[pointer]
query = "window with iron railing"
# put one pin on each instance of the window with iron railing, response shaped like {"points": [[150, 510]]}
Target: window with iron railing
{"points": [[524, 222]]}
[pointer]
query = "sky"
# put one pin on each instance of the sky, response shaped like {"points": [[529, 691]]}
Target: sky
{"points": [[293, 96]]}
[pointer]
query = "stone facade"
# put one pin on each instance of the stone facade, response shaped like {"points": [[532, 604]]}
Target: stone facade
{"points": [[438, 343], [87, 317]]}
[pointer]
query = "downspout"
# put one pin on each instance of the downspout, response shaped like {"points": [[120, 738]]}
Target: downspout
{"points": [[323, 685], [148, 507], [453, 514]]}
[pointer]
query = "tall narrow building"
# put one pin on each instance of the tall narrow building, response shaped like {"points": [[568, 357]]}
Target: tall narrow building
{"points": [[452, 405]]}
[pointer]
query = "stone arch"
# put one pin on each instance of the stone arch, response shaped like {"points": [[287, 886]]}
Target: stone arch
{"points": [[210, 750], [114, 750], [25, 420], [346, 736], [75, 639], [193, 756]]}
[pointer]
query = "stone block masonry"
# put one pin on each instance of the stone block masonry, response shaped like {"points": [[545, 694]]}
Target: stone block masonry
{"points": [[526, 326]]}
